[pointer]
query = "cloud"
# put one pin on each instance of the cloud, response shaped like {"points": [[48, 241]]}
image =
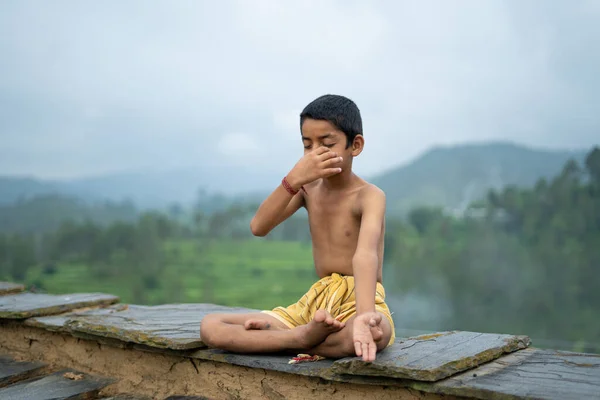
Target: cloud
{"points": [[240, 149], [89, 88]]}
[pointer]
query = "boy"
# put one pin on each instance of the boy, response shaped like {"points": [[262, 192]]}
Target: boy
{"points": [[344, 313]]}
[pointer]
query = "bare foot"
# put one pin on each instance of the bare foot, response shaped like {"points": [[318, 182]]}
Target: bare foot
{"points": [[317, 330], [259, 324]]}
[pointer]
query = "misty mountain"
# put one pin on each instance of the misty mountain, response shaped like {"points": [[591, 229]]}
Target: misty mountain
{"points": [[156, 189], [454, 176], [450, 176]]}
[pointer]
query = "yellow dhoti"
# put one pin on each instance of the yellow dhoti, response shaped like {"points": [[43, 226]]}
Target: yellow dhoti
{"points": [[334, 293]]}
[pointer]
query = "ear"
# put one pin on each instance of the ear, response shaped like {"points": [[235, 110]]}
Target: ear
{"points": [[357, 145]]}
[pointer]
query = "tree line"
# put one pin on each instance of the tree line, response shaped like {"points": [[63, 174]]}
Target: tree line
{"points": [[523, 260]]}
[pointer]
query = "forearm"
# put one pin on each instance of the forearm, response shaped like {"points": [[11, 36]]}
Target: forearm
{"points": [[277, 207], [365, 267]]}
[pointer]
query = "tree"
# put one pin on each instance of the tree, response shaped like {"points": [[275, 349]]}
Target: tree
{"points": [[592, 165]]}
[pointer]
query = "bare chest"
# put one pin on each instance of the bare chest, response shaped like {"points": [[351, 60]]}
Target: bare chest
{"points": [[334, 219]]}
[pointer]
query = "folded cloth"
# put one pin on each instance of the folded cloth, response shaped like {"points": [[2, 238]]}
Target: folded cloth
{"points": [[334, 293]]}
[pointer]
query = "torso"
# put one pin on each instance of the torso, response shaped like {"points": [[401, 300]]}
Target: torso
{"points": [[334, 219]]}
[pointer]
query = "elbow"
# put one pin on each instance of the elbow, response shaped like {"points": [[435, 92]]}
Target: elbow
{"points": [[365, 259], [256, 229]]}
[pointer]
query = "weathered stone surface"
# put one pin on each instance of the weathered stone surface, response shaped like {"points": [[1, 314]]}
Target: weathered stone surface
{"points": [[58, 323], [103, 340], [529, 374], [9, 287], [187, 398], [171, 326], [272, 362], [65, 384], [26, 305], [434, 357], [12, 371]]}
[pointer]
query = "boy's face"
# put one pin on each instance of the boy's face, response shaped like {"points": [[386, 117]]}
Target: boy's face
{"points": [[316, 133]]}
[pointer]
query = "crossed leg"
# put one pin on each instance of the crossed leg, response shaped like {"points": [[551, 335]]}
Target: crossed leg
{"points": [[262, 333]]}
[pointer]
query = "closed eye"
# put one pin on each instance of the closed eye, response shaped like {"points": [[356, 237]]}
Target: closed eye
{"points": [[326, 145]]}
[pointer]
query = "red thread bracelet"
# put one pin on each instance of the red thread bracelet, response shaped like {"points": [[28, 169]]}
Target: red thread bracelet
{"points": [[289, 187]]}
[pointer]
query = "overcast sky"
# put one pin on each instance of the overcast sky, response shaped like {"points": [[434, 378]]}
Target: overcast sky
{"points": [[90, 87]]}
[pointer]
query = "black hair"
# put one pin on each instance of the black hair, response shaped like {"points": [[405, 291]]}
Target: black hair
{"points": [[340, 111]]}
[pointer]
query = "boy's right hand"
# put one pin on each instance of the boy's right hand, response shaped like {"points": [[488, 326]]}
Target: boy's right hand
{"points": [[319, 163]]}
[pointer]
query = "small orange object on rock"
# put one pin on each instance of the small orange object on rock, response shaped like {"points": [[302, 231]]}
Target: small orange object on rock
{"points": [[72, 376], [305, 358]]}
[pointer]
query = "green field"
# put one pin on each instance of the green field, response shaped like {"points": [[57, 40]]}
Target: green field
{"points": [[252, 273]]}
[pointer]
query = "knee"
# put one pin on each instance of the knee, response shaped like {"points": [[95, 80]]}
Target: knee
{"points": [[347, 347], [208, 327], [384, 342], [342, 345], [386, 336]]}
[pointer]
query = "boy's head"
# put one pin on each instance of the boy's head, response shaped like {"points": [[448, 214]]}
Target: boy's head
{"points": [[341, 112]]}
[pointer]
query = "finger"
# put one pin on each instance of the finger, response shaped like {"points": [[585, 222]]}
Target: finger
{"points": [[372, 351], [358, 349], [322, 150], [376, 320], [365, 351], [330, 171], [332, 161], [327, 155]]}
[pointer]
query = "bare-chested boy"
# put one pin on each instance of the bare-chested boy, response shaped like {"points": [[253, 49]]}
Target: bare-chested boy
{"points": [[344, 313]]}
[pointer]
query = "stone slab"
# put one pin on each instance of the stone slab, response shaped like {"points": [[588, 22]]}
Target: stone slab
{"points": [[529, 374], [169, 326], [272, 362], [27, 305], [433, 357], [9, 288], [187, 398], [12, 371], [58, 323], [57, 386]]}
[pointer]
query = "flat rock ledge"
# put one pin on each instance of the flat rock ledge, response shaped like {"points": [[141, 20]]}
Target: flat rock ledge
{"points": [[470, 364], [27, 305], [434, 357], [10, 288], [175, 327]]}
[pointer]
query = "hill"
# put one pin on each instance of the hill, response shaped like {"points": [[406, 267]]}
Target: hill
{"points": [[454, 176], [451, 177], [151, 189], [46, 212]]}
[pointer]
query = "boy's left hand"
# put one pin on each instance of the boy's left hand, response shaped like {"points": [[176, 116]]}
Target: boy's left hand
{"points": [[364, 342]]}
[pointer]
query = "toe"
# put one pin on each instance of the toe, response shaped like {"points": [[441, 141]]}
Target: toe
{"points": [[320, 316]]}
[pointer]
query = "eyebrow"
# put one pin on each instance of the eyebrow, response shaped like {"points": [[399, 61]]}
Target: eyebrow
{"points": [[325, 136]]}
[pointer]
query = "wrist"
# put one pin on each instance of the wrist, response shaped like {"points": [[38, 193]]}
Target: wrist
{"points": [[288, 187], [366, 310], [294, 182]]}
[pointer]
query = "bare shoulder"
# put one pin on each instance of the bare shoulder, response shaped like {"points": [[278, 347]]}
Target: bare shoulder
{"points": [[371, 198]]}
